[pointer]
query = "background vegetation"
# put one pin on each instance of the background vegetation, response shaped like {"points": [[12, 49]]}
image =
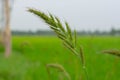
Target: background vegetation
{"points": [[112, 32], [32, 53]]}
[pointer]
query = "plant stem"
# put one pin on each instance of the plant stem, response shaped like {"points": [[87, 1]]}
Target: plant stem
{"points": [[84, 69], [82, 59], [86, 72]]}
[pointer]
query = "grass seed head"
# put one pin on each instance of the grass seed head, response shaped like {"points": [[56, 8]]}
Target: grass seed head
{"points": [[112, 52]]}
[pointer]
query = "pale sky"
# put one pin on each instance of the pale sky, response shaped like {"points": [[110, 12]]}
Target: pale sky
{"points": [[80, 14]]}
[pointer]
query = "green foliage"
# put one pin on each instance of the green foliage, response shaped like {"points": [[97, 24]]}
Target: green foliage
{"points": [[47, 49]]}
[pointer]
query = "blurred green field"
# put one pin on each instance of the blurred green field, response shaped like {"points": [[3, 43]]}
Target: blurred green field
{"points": [[31, 54]]}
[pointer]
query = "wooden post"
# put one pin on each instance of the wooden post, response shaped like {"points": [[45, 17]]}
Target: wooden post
{"points": [[7, 32]]}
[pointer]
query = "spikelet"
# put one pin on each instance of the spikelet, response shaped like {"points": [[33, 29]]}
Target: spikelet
{"points": [[82, 57], [112, 52], [60, 68]]}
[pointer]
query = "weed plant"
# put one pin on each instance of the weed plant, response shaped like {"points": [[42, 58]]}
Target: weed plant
{"points": [[65, 34]]}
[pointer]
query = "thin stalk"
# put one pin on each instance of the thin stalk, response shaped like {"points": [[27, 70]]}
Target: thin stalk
{"points": [[81, 57], [48, 73], [84, 69], [86, 72]]}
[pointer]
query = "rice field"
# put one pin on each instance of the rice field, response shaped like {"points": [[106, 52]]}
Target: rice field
{"points": [[31, 54]]}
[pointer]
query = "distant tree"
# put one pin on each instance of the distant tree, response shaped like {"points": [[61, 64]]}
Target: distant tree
{"points": [[118, 31], [113, 31], [97, 32]]}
